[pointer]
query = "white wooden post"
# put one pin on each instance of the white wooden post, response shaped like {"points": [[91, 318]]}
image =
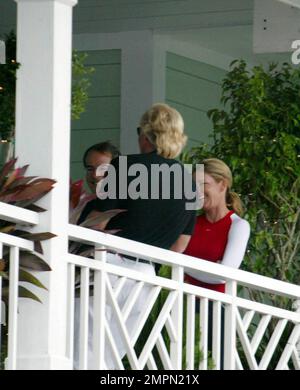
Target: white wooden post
{"points": [[44, 36]]}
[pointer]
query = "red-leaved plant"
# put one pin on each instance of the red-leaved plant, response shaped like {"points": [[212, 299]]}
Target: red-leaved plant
{"points": [[97, 220], [23, 191]]}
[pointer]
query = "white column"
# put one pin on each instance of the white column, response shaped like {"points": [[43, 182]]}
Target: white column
{"points": [[44, 32]]}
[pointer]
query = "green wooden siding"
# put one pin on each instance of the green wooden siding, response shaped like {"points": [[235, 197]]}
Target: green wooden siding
{"points": [[101, 120], [193, 87]]}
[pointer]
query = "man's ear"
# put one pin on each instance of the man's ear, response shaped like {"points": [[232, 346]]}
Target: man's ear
{"points": [[223, 185]]}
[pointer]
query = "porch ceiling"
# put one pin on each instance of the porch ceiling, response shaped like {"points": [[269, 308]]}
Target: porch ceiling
{"points": [[225, 26], [95, 16]]}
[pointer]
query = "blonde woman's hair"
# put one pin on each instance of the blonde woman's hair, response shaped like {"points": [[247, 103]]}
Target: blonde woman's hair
{"points": [[164, 128], [220, 171]]}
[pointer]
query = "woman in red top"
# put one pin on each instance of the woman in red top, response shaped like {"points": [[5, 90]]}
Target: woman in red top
{"points": [[220, 234]]}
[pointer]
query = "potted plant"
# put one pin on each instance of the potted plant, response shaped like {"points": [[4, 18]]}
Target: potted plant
{"points": [[18, 190]]}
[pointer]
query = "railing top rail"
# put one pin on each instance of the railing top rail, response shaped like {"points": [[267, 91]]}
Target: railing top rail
{"points": [[163, 256], [17, 214], [186, 288]]}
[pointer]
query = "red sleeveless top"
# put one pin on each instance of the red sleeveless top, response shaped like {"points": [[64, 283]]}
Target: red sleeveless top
{"points": [[208, 242]]}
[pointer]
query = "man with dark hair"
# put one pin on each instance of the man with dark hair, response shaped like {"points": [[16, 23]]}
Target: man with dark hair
{"points": [[95, 155]]}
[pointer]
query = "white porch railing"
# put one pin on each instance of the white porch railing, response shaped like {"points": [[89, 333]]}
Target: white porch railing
{"points": [[257, 335], [172, 327], [13, 245]]}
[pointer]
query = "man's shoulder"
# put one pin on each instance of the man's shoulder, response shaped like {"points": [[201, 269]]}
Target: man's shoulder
{"points": [[147, 158], [130, 158]]}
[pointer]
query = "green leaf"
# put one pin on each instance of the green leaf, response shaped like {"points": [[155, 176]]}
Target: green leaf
{"points": [[38, 236], [99, 219], [34, 189], [38, 247], [33, 261], [25, 276], [6, 169], [25, 293], [2, 264], [258, 138], [4, 275], [35, 208], [7, 229]]}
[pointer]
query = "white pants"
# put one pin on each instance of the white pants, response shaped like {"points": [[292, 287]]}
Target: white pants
{"points": [[110, 316]]}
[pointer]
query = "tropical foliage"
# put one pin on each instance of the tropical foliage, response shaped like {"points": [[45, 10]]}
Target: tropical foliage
{"points": [[78, 199], [257, 133], [97, 220], [8, 88], [23, 191], [80, 85]]}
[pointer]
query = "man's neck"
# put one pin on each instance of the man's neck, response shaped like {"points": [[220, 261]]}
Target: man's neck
{"points": [[148, 150]]}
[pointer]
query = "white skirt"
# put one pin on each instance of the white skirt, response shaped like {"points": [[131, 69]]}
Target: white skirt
{"points": [[110, 316]]}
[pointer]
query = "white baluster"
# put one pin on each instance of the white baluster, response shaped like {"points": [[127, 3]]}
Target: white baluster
{"points": [[70, 308], [99, 311], [190, 332], [216, 345], [230, 328], [177, 318], [204, 332], [84, 318], [296, 307], [13, 308]]}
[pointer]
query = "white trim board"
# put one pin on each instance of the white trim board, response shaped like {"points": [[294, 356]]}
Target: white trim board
{"points": [[293, 3]]}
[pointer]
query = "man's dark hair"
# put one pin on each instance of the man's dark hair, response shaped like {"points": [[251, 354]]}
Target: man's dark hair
{"points": [[102, 147]]}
